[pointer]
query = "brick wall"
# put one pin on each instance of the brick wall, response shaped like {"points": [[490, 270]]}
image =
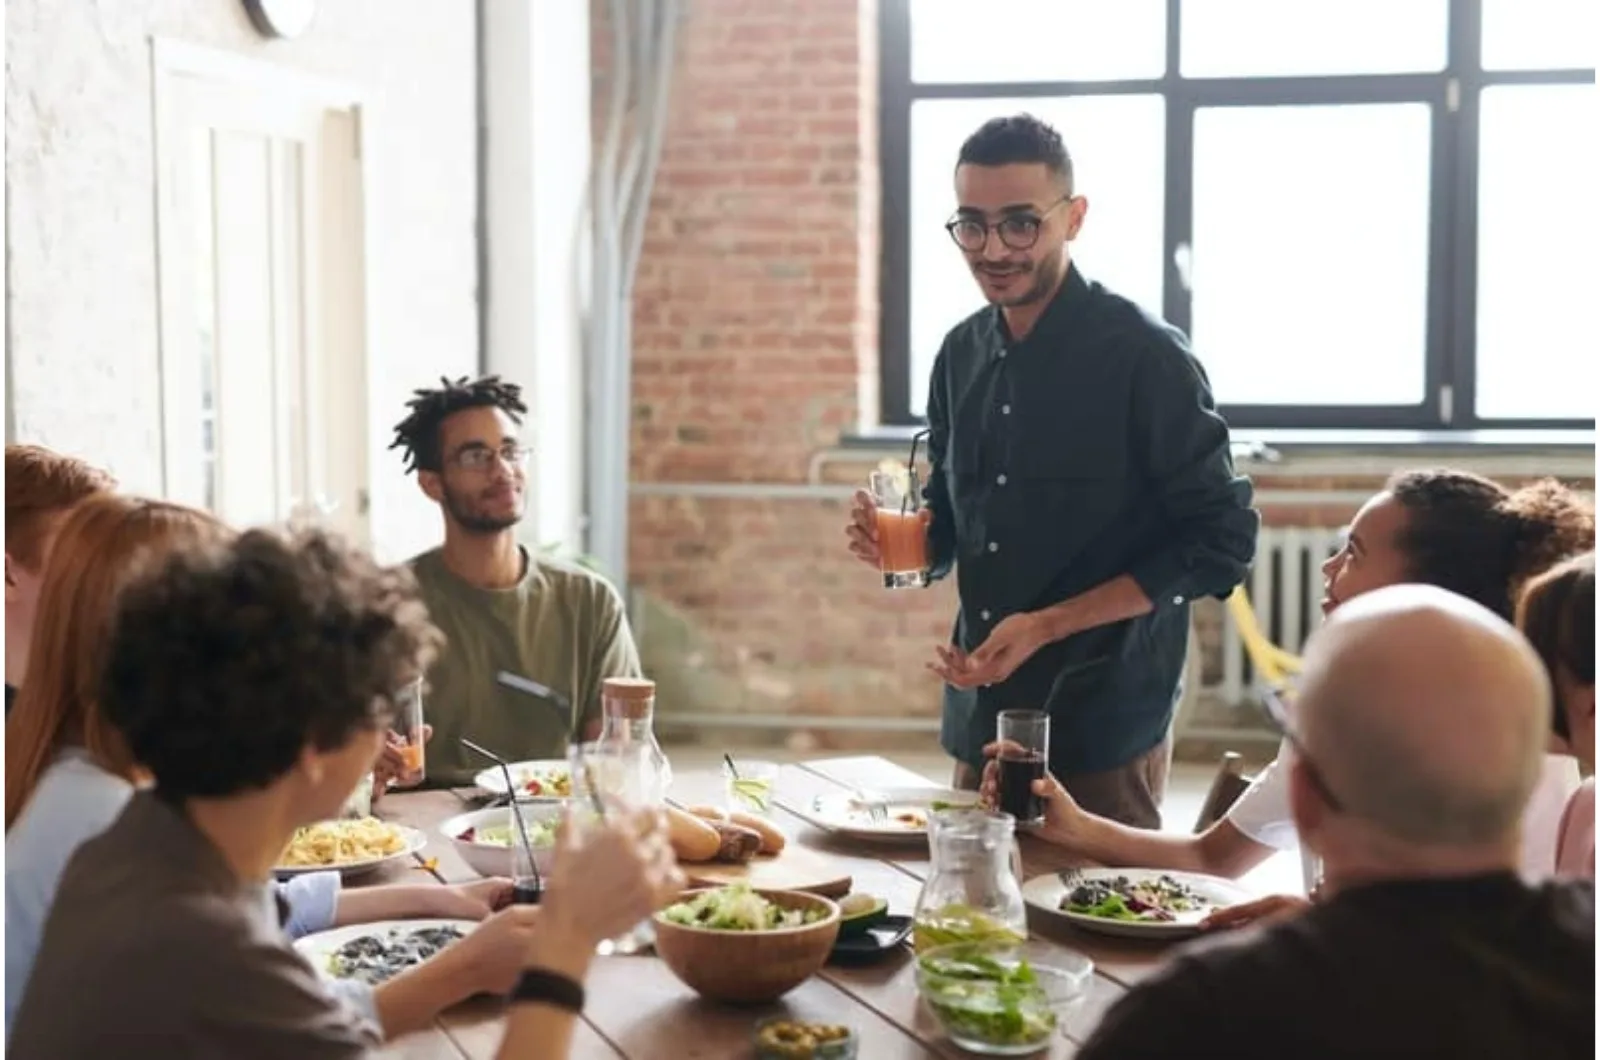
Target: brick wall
{"points": [[755, 348], [754, 323], [755, 332]]}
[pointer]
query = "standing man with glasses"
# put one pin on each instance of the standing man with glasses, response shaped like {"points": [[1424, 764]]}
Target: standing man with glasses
{"points": [[1081, 487], [502, 608]]}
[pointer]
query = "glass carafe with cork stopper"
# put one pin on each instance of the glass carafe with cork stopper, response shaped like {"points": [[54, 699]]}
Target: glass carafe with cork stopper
{"points": [[628, 707]]}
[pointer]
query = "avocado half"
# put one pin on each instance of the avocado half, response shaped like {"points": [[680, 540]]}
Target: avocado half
{"points": [[858, 912]]}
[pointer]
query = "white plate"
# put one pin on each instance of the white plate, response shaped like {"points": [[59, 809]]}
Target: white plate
{"points": [[414, 841], [492, 779], [845, 813], [1046, 892], [493, 859], [319, 947]]}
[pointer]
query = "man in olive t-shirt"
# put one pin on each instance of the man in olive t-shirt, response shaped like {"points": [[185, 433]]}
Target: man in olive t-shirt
{"points": [[501, 608]]}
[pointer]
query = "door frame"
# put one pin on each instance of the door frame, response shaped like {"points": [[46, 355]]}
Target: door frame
{"points": [[176, 64]]}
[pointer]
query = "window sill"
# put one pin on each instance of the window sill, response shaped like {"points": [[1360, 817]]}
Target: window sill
{"points": [[1259, 446]]}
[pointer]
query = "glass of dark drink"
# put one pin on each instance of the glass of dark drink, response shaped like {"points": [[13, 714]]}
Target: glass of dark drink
{"points": [[527, 882], [1024, 737]]}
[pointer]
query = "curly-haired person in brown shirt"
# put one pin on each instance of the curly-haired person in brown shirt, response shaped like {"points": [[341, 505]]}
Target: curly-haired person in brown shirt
{"points": [[253, 679]]}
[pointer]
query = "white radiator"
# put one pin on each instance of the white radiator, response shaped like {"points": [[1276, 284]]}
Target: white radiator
{"points": [[1285, 588]]}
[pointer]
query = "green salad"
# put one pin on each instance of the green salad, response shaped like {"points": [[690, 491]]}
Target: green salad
{"points": [[738, 908], [983, 1000], [540, 834], [1111, 907], [1155, 899]]}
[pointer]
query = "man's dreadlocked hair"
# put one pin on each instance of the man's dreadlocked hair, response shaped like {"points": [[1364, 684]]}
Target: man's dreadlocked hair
{"points": [[418, 433]]}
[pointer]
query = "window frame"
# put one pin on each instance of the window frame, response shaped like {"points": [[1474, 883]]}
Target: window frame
{"points": [[1452, 96]]}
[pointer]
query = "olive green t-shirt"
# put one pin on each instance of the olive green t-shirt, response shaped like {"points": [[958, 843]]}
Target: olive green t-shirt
{"points": [[561, 626]]}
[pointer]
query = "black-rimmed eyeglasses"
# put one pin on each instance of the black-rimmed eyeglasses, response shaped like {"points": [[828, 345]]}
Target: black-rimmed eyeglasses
{"points": [[1017, 231]]}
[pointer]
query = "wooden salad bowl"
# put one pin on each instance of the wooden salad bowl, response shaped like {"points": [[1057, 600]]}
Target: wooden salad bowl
{"points": [[749, 967]]}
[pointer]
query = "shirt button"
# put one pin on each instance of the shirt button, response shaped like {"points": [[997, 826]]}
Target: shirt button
{"points": [[1005, 410], [1000, 479], [994, 546], [984, 615], [1177, 599], [1002, 354]]}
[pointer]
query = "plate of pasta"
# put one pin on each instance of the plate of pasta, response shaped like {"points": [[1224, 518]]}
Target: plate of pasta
{"points": [[350, 846]]}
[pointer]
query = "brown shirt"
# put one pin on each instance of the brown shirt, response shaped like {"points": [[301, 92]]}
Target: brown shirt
{"points": [[154, 948], [561, 626], [1480, 968]]}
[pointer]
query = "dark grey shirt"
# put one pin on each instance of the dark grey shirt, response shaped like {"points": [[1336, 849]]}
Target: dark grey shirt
{"points": [[1478, 968], [154, 948], [1090, 449]]}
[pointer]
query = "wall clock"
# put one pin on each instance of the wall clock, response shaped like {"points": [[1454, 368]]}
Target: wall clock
{"points": [[281, 18]]}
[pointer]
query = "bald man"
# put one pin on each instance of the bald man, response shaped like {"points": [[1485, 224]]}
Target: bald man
{"points": [[1419, 732]]}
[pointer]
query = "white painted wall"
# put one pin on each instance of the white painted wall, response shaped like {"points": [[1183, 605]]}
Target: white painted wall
{"points": [[537, 92], [82, 342]]}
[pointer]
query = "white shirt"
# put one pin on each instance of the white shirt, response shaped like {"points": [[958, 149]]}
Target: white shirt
{"points": [[1262, 813]]}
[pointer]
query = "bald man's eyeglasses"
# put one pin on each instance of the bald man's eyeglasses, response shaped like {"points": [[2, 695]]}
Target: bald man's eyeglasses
{"points": [[1278, 711]]}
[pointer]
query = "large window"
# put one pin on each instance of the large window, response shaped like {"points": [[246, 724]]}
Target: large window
{"points": [[1365, 213]]}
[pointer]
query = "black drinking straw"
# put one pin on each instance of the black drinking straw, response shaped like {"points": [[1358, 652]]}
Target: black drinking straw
{"points": [[516, 813], [911, 469]]}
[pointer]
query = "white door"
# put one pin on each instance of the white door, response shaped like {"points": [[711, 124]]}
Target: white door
{"points": [[263, 315]]}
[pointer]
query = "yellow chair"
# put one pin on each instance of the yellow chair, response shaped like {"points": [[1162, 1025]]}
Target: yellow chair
{"points": [[1275, 667]]}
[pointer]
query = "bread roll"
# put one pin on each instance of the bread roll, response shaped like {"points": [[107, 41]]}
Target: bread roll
{"points": [[709, 813], [692, 838], [772, 840]]}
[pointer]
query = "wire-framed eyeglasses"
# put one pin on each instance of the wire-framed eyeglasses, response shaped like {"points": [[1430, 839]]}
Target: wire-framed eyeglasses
{"points": [[481, 457], [1278, 711]]}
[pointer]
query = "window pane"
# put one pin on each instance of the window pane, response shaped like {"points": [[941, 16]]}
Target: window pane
{"points": [[1310, 261], [1538, 34], [1000, 40], [1536, 237], [1118, 147], [1273, 38]]}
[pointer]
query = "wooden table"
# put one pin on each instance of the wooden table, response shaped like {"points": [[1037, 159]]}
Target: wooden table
{"points": [[638, 1009]]}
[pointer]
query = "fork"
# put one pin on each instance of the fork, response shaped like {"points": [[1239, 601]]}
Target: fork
{"points": [[877, 809]]}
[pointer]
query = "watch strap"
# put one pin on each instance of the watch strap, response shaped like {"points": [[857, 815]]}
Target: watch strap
{"points": [[551, 988]]}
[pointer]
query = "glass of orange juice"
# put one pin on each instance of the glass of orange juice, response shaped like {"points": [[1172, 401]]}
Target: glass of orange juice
{"points": [[902, 525], [408, 726]]}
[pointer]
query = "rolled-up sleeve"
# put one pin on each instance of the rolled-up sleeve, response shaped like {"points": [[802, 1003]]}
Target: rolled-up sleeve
{"points": [[313, 899], [1184, 446], [936, 493]]}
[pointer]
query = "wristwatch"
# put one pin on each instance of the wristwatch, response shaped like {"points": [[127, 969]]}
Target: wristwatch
{"points": [[550, 988]]}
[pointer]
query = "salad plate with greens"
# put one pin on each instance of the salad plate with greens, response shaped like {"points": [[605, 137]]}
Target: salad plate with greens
{"points": [[1139, 903], [991, 999]]}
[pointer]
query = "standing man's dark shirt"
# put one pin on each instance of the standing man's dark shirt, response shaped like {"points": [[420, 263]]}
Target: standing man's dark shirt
{"points": [[1480, 967], [11, 694], [1088, 450]]}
